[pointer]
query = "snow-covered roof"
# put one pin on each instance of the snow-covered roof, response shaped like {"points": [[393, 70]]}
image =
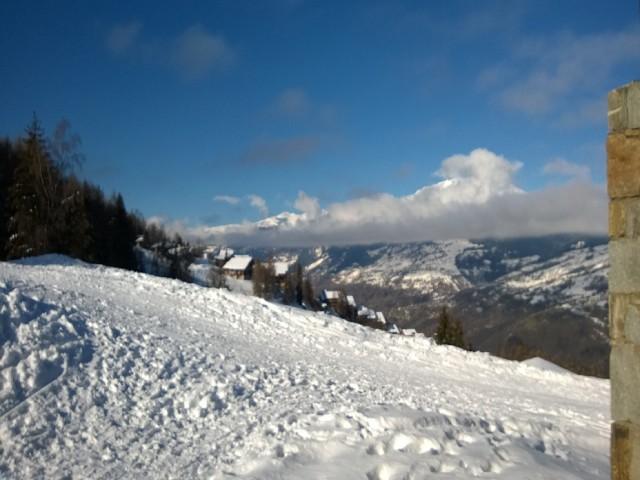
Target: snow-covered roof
{"points": [[239, 262], [367, 312], [392, 328], [225, 253], [351, 301], [380, 318], [331, 294], [281, 268]]}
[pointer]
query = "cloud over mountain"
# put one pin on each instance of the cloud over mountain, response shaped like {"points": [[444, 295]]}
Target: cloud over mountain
{"points": [[477, 198]]}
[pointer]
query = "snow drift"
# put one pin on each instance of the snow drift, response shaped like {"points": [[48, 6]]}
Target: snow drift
{"points": [[109, 374]]}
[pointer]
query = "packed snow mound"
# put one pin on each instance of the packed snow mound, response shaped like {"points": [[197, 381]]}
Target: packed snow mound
{"points": [[38, 343], [545, 365], [113, 374]]}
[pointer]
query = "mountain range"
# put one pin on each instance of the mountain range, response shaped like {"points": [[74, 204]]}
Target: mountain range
{"points": [[544, 296]]}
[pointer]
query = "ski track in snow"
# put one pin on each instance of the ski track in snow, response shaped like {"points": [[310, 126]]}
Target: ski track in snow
{"points": [[112, 374]]}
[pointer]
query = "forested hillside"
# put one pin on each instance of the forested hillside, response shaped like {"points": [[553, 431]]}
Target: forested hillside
{"points": [[45, 207]]}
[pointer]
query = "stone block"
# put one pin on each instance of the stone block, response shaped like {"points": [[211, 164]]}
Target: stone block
{"points": [[624, 319], [625, 382], [624, 271], [623, 165], [625, 451], [624, 218], [624, 107]]}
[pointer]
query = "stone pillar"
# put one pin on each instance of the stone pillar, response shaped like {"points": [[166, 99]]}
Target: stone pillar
{"points": [[623, 182]]}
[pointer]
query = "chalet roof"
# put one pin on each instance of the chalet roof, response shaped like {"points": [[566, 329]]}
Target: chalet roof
{"points": [[367, 313], [281, 268], [331, 294], [238, 263], [351, 301], [392, 328], [225, 253]]}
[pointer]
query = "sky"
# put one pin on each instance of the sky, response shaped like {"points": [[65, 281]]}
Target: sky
{"points": [[347, 114]]}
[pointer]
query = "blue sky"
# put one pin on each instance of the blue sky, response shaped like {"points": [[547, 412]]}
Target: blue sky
{"points": [[180, 104]]}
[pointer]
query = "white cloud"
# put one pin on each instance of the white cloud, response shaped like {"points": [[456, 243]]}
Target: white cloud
{"points": [[584, 113], [559, 69], [562, 167], [196, 52], [483, 166], [292, 102], [122, 37], [259, 203], [283, 150], [310, 206], [229, 199], [478, 198]]}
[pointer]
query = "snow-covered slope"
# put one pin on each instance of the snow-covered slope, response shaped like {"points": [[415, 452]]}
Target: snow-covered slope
{"points": [[111, 374], [550, 269], [426, 267]]}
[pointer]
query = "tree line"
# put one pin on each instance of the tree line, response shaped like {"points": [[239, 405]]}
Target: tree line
{"points": [[292, 288], [46, 208]]}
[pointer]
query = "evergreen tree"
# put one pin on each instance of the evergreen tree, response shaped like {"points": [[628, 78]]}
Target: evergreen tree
{"points": [[74, 230], [95, 207], [457, 335], [442, 332], [270, 284], [289, 289], [309, 298], [449, 331], [34, 198], [122, 236], [298, 283], [8, 163], [258, 279]]}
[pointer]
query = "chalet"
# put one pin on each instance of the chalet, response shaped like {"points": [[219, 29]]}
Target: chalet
{"points": [[239, 266], [223, 256], [351, 302], [392, 328], [333, 299], [365, 315], [208, 254], [281, 269]]}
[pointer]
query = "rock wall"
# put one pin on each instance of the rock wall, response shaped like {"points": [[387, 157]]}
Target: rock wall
{"points": [[623, 173]]}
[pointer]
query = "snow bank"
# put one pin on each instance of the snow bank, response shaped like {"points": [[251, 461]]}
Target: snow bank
{"points": [[545, 365], [39, 342], [113, 374]]}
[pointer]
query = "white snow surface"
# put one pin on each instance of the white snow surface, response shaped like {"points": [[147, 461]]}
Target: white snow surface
{"points": [[543, 364], [106, 373]]}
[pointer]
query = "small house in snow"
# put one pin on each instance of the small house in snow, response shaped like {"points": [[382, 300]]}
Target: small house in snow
{"points": [[351, 301], [209, 253], [223, 256], [365, 315], [334, 299], [239, 266], [281, 269], [392, 328]]}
